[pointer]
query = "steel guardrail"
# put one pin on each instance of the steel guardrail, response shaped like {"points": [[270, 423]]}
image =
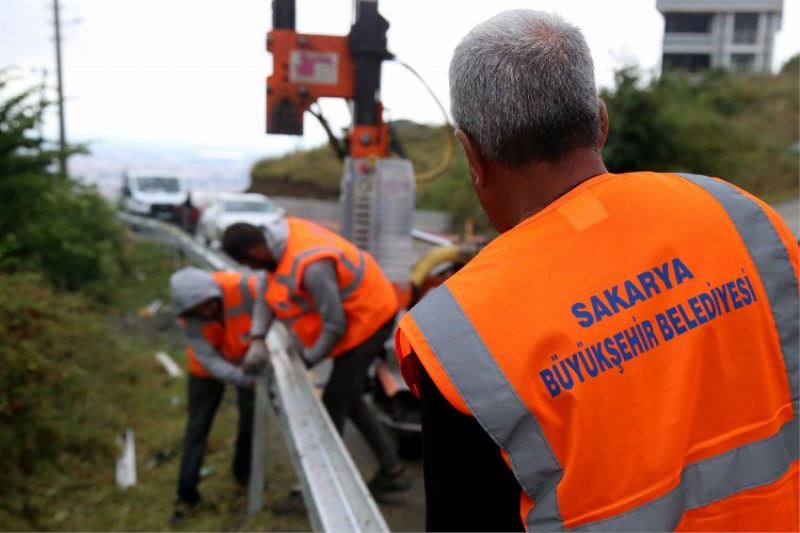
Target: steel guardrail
{"points": [[430, 238], [334, 492]]}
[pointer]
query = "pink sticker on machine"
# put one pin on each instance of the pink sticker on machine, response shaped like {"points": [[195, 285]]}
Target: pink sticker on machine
{"points": [[314, 67]]}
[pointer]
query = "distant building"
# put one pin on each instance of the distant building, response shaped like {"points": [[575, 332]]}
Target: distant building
{"points": [[737, 35]]}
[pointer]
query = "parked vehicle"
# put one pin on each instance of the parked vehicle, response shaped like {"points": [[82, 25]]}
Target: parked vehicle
{"points": [[230, 208], [155, 193]]}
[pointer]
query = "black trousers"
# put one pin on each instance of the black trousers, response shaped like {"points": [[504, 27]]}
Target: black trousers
{"points": [[205, 395], [343, 397]]}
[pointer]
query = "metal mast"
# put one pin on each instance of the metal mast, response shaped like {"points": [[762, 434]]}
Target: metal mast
{"points": [[62, 137]]}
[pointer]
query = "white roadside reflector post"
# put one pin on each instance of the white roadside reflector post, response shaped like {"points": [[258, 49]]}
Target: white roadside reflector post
{"points": [[126, 464], [169, 365]]}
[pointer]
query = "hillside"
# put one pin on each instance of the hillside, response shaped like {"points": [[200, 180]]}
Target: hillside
{"points": [[739, 128], [316, 173]]}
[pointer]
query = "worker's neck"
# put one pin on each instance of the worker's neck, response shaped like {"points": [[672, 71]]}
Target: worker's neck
{"points": [[536, 185]]}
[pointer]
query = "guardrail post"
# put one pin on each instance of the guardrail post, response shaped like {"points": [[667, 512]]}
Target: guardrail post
{"points": [[258, 460]]}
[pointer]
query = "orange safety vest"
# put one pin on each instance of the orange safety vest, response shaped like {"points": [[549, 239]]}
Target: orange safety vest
{"points": [[230, 337], [368, 298], [633, 351]]}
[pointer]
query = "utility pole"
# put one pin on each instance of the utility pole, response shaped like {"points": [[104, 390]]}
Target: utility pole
{"points": [[62, 136]]}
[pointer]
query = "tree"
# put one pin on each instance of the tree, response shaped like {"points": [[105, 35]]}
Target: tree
{"points": [[60, 229], [22, 149], [641, 136], [735, 127], [792, 65]]}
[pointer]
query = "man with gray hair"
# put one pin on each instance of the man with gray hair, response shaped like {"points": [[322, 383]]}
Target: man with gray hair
{"points": [[624, 355]]}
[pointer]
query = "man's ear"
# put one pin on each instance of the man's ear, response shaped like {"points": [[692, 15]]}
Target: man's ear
{"points": [[603, 112], [476, 169]]}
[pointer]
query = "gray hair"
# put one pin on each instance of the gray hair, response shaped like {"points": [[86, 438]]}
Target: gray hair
{"points": [[522, 87]]}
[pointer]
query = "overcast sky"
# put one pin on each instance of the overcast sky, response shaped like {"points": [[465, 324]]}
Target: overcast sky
{"points": [[192, 72]]}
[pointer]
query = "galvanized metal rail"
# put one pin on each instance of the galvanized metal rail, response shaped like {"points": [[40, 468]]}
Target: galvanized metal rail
{"points": [[334, 492], [430, 238]]}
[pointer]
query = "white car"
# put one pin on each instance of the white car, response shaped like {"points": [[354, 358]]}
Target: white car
{"points": [[155, 193], [229, 208]]}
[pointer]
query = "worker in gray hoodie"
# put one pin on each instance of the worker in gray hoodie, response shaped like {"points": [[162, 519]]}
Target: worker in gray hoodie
{"points": [[225, 344]]}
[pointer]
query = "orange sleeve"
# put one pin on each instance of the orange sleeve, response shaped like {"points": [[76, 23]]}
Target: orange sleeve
{"points": [[408, 361], [413, 350]]}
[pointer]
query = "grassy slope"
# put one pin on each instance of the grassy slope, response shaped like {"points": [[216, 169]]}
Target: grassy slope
{"points": [[110, 358], [766, 115], [320, 165]]}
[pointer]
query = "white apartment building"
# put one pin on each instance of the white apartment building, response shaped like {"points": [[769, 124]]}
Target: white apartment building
{"points": [[738, 35]]}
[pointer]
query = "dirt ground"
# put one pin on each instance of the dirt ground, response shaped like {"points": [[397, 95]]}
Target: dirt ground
{"points": [[404, 511]]}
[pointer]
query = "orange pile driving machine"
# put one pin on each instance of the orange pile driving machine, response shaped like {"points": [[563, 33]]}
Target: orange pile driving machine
{"points": [[377, 192]]}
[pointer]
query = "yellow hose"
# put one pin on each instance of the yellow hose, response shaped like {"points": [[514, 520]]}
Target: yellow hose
{"points": [[447, 158], [437, 256], [447, 154]]}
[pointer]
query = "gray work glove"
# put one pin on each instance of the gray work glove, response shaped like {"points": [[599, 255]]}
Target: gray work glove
{"points": [[256, 357], [296, 347], [310, 358]]}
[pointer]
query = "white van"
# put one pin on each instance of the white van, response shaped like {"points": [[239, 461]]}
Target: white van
{"points": [[153, 193]]}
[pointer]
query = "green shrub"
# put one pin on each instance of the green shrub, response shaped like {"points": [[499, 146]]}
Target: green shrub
{"points": [[735, 127], [74, 373], [60, 229], [46, 354]]}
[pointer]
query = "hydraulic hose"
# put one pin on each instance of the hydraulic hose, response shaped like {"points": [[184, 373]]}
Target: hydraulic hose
{"points": [[435, 257], [447, 153]]}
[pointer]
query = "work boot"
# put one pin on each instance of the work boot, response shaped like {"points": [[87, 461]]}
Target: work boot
{"points": [[384, 482], [182, 510], [242, 480], [291, 505], [185, 507]]}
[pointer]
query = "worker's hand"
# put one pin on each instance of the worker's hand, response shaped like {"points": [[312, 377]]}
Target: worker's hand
{"points": [[256, 358]]}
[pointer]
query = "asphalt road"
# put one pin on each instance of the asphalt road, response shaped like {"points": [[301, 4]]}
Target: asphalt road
{"points": [[403, 511]]}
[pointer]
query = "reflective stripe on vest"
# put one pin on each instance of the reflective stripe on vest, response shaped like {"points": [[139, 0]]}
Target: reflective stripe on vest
{"points": [[368, 298], [772, 263], [497, 407], [289, 280], [492, 401], [246, 305]]}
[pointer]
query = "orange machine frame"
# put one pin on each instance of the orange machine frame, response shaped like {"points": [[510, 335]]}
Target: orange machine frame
{"points": [[364, 140]]}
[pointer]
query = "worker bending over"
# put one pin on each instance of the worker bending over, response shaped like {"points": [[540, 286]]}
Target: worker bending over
{"points": [[225, 345], [625, 353], [337, 302]]}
